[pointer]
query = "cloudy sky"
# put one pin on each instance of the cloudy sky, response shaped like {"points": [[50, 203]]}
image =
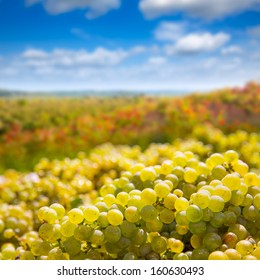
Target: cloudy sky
{"points": [[128, 44]]}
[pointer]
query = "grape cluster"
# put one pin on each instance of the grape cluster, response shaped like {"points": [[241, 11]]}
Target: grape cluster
{"points": [[165, 204]]}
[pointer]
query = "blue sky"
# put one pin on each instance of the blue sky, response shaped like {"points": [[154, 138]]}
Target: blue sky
{"points": [[128, 44]]}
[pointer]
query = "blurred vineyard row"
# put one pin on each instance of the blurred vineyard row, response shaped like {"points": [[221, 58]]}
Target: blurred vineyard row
{"points": [[32, 128]]}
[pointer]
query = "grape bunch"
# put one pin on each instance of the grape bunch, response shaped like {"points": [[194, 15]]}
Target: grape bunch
{"points": [[169, 205]]}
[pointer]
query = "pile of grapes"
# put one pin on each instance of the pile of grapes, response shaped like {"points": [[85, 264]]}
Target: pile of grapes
{"points": [[183, 201]]}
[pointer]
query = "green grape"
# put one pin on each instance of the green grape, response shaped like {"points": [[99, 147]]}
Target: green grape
{"points": [[46, 231], [188, 190], [178, 192], [122, 198], [235, 209], [199, 254], [145, 249], [102, 220], [216, 203], [169, 201], [135, 192], [140, 237], [91, 213], [256, 202], [219, 172], [162, 189], [250, 179], [231, 157], [218, 255], [107, 189], [148, 196], [2, 226], [59, 209], [207, 214], [237, 198], [159, 244], [109, 199], [132, 214], [67, 229], [102, 207], [181, 203], [72, 246], [166, 167], [178, 171], [167, 216], [233, 254], [76, 216], [194, 213], [248, 200], [181, 256], [40, 248], [49, 215], [57, 254], [174, 179], [148, 213], [218, 219], [97, 237], [135, 201], [154, 226], [203, 171], [201, 199], [250, 212], [130, 256], [112, 234], [211, 241], [232, 181], [8, 233], [244, 247], [148, 173], [8, 251], [175, 245], [214, 160], [239, 230], [26, 255], [182, 230], [128, 229], [93, 255], [241, 168], [223, 192], [196, 241], [112, 248], [83, 232], [179, 160], [115, 217], [230, 218], [198, 228], [123, 242], [249, 257], [193, 163], [256, 252], [181, 218], [190, 175]]}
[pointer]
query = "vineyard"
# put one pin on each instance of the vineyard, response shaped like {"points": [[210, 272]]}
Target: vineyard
{"points": [[171, 178]]}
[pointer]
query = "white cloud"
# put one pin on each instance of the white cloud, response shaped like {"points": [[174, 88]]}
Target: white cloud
{"points": [[231, 50], [94, 8], [254, 31], [108, 69], [207, 9], [197, 42], [169, 31], [34, 54], [157, 60], [72, 58], [80, 33]]}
